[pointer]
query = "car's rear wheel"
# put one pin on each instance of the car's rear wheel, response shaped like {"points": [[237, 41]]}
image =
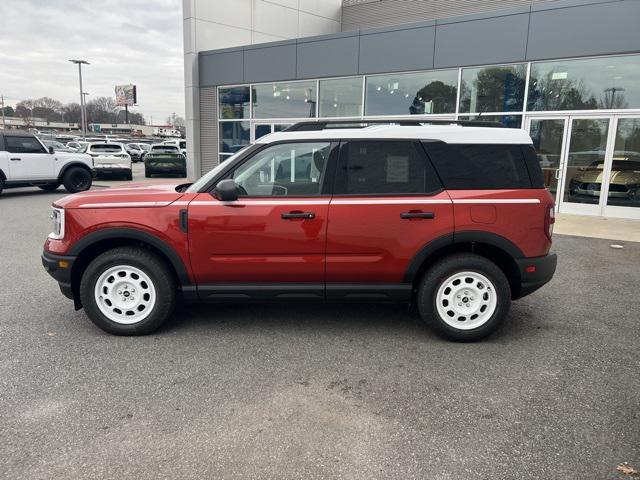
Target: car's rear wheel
{"points": [[129, 176], [128, 291], [147, 173], [464, 297], [1, 185], [49, 187], [76, 179]]}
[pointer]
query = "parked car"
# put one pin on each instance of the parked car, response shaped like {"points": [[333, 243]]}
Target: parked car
{"points": [[26, 161], [181, 144], [164, 159], [452, 218], [57, 146], [77, 145], [624, 183], [134, 151], [110, 160]]}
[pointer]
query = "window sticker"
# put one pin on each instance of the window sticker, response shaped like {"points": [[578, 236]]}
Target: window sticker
{"points": [[397, 169]]}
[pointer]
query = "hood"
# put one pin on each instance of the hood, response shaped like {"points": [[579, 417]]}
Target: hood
{"points": [[135, 195]]}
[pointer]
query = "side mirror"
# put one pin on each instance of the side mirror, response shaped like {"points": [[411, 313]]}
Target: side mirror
{"points": [[51, 150], [226, 190]]}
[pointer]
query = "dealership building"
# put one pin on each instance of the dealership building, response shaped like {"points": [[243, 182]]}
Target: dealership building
{"points": [[567, 71]]}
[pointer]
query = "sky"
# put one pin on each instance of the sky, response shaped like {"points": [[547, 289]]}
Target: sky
{"points": [[126, 41]]}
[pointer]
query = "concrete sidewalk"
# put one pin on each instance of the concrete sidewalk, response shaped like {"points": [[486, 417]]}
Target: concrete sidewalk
{"points": [[598, 227]]}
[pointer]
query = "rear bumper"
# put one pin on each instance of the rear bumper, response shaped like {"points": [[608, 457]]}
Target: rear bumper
{"points": [[52, 264], [535, 272]]}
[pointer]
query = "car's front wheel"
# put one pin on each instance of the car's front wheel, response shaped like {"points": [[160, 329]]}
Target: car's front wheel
{"points": [[128, 291], [76, 179], [464, 297]]}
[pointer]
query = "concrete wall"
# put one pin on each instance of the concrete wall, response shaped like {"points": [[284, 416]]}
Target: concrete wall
{"points": [[217, 24], [547, 30]]}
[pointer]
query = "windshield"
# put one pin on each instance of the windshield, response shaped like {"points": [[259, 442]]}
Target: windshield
{"points": [[202, 181]]}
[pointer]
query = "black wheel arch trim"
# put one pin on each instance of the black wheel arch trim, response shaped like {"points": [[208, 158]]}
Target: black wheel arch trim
{"points": [[138, 235], [468, 236]]}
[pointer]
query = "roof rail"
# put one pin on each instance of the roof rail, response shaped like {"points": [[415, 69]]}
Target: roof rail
{"points": [[327, 124]]}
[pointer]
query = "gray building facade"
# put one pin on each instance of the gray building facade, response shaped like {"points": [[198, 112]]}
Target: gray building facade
{"points": [[565, 70]]}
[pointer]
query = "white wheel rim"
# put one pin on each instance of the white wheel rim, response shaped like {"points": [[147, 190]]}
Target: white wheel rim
{"points": [[466, 300], [125, 294]]}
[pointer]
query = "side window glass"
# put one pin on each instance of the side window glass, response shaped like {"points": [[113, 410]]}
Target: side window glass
{"points": [[289, 169], [479, 166], [23, 145], [385, 167]]}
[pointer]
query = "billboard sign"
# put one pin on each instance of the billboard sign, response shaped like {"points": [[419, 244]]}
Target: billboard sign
{"points": [[126, 95]]}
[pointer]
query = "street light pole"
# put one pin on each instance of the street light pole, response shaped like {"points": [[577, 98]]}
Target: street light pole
{"points": [[83, 114], [4, 125]]}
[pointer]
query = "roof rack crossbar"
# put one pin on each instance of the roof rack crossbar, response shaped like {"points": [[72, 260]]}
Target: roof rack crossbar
{"points": [[326, 124]]}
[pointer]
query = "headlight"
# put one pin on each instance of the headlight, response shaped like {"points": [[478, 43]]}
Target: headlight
{"points": [[57, 222]]}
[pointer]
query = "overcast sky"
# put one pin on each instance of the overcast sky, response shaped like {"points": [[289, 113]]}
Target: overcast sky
{"points": [[126, 41]]}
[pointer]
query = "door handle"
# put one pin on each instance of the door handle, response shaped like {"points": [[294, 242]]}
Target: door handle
{"points": [[15, 159], [557, 175], [294, 215], [409, 215]]}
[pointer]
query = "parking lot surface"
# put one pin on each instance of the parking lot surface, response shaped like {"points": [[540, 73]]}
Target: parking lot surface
{"points": [[319, 391]]}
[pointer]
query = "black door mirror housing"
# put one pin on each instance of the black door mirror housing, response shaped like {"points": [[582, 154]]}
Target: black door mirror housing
{"points": [[226, 190], [51, 150]]}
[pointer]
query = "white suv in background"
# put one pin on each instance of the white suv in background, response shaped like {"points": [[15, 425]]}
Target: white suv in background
{"points": [[181, 144], [25, 161], [110, 159]]}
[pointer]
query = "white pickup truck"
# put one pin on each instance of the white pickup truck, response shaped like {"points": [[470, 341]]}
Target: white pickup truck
{"points": [[25, 161]]}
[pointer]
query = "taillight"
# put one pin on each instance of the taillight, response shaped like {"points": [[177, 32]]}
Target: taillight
{"points": [[549, 220]]}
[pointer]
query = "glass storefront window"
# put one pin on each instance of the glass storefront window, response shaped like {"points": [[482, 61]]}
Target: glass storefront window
{"points": [[585, 84], [412, 93], [509, 121], [233, 136], [285, 100], [624, 186], [585, 163], [341, 97], [233, 102], [497, 88]]}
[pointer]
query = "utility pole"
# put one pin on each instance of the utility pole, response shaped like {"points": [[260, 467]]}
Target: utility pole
{"points": [[83, 113], [4, 125]]}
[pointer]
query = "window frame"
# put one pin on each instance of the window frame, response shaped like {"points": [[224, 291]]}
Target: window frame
{"points": [[45, 149], [327, 180], [339, 184]]}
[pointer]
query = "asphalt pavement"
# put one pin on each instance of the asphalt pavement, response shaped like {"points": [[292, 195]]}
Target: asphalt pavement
{"points": [[319, 391]]}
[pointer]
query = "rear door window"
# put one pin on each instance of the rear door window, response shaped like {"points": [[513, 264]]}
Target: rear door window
{"points": [[384, 168], [479, 166]]}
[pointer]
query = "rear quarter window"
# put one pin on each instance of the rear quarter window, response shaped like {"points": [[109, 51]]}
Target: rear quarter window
{"points": [[479, 166]]}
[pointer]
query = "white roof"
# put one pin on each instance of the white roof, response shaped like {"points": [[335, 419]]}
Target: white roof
{"points": [[446, 133]]}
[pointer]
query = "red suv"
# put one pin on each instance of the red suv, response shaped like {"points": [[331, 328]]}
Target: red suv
{"points": [[453, 217]]}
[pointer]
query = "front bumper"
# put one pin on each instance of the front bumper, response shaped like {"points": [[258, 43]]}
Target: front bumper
{"points": [[535, 272], [55, 266]]}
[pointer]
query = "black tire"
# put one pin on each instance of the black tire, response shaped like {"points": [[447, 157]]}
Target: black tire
{"points": [[49, 187], [129, 176], [152, 266], [147, 173], [77, 179], [1, 185], [440, 272]]}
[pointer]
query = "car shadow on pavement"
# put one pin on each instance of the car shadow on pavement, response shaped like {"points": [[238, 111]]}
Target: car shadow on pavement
{"points": [[352, 318]]}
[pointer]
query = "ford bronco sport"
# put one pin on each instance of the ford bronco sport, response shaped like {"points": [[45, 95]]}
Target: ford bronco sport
{"points": [[450, 216]]}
